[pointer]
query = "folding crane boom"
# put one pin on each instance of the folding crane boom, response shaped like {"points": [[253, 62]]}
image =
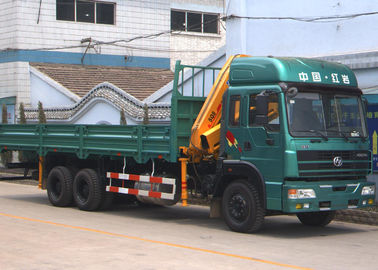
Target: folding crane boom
{"points": [[205, 135]]}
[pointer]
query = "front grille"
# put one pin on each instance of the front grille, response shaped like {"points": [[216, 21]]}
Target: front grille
{"points": [[323, 166], [320, 163], [329, 155]]}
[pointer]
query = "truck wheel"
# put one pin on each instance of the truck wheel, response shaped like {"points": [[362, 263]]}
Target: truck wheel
{"points": [[59, 186], [241, 207], [87, 190], [321, 219]]}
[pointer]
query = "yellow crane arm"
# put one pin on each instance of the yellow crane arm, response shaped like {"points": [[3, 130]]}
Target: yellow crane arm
{"points": [[207, 122]]}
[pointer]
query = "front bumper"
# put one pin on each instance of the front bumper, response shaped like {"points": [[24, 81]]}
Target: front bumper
{"points": [[333, 195]]}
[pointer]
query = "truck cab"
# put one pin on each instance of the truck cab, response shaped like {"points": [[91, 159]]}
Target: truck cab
{"points": [[296, 129]]}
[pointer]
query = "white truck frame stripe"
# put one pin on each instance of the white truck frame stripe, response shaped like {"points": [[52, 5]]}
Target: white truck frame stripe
{"points": [[141, 178]]}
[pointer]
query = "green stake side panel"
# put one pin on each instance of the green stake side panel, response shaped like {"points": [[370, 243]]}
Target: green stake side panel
{"points": [[183, 119], [141, 142], [188, 96]]}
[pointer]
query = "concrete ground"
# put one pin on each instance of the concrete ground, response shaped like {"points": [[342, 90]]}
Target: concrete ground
{"points": [[36, 235]]}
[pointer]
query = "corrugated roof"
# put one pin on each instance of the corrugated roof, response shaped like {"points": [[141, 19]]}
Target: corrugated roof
{"points": [[138, 82]]}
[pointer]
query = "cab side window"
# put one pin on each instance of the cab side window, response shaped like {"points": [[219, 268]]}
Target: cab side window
{"points": [[273, 112], [234, 115]]}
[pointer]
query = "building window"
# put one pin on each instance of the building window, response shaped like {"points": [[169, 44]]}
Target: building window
{"points": [[65, 10], [105, 13], [85, 11], [194, 22]]}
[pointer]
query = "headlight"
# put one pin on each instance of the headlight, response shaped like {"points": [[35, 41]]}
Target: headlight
{"points": [[301, 194], [368, 190]]}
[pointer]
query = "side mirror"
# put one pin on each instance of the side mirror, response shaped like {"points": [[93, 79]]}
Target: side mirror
{"points": [[262, 110]]}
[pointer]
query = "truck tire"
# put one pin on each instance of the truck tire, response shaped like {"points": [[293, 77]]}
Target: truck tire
{"points": [[87, 190], [59, 186], [241, 207], [320, 219]]}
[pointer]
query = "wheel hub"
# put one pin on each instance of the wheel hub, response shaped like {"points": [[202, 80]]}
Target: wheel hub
{"points": [[57, 188], [83, 190], [238, 207]]}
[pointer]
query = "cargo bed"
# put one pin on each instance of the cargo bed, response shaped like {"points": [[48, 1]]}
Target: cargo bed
{"points": [[140, 142]]}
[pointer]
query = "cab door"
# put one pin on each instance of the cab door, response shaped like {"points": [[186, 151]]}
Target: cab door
{"points": [[262, 144], [258, 143]]}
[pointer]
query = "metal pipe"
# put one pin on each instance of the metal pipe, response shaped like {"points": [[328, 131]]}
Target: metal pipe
{"points": [[40, 171], [184, 191]]}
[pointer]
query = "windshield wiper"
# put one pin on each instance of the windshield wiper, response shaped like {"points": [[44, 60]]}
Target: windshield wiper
{"points": [[313, 131], [319, 133], [344, 136], [347, 138]]}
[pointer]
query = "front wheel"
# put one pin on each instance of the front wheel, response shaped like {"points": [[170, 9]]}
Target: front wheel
{"points": [[320, 219], [241, 207]]}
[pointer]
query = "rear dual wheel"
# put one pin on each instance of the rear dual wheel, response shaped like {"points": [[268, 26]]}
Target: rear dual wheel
{"points": [[87, 190], [59, 186]]}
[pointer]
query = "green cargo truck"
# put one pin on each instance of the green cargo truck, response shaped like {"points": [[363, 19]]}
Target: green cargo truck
{"points": [[292, 139]]}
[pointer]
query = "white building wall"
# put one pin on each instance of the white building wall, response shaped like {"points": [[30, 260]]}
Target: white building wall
{"points": [[41, 90], [15, 81], [190, 47], [7, 24], [292, 37], [109, 114], [133, 19], [308, 29], [21, 28], [367, 78]]}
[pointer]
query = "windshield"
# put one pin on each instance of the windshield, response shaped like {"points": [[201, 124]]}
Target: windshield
{"points": [[325, 115]]}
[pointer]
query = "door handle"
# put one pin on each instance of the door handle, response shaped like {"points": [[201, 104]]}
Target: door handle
{"points": [[247, 146], [269, 141]]}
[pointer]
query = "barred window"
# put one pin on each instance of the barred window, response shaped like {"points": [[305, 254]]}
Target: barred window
{"points": [[85, 11], [189, 21]]}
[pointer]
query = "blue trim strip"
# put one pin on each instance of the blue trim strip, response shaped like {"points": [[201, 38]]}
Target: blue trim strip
{"points": [[8, 100], [90, 59], [372, 99]]}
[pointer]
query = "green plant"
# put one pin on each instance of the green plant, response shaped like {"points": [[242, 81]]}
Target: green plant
{"points": [[5, 156], [21, 155], [122, 120], [41, 114], [146, 120], [22, 114], [4, 114]]}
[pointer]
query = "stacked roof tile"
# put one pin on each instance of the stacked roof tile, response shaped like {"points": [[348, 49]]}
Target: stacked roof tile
{"points": [[79, 79]]}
